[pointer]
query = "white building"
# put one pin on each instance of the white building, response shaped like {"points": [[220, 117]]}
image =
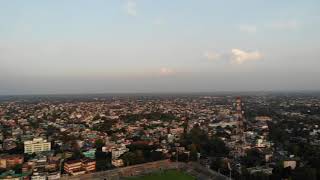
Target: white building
{"points": [[36, 145], [38, 176], [117, 152]]}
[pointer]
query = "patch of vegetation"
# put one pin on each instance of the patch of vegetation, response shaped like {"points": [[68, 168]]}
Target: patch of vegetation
{"points": [[165, 175]]}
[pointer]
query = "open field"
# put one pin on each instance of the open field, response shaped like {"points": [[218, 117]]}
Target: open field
{"points": [[164, 175]]}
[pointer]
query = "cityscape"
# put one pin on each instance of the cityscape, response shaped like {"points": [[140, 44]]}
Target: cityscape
{"points": [[252, 136], [159, 90]]}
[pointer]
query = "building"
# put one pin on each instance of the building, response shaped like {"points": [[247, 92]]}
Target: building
{"points": [[38, 176], [117, 162], [259, 169], [263, 118], [28, 167], [89, 165], [290, 163], [76, 167], [36, 145], [72, 166], [117, 152], [9, 161], [54, 176], [90, 154], [3, 163]]}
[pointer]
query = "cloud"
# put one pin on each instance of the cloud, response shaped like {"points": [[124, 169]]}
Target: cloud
{"points": [[235, 56], [239, 56], [131, 8], [248, 28], [211, 55], [284, 25], [166, 71]]}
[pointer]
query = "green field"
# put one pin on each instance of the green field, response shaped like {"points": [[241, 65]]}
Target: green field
{"points": [[164, 175]]}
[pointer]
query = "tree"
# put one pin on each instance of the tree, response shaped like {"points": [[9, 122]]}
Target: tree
{"points": [[156, 156], [197, 135], [216, 164], [217, 148], [99, 144], [193, 152], [19, 149], [17, 168], [286, 173], [77, 154], [50, 130], [198, 141], [304, 173], [252, 158], [139, 156], [103, 160], [259, 176], [129, 158]]}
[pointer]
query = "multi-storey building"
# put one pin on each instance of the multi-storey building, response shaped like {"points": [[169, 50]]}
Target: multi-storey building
{"points": [[77, 167], [72, 166], [36, 145], [89, 165], [9, 161]]}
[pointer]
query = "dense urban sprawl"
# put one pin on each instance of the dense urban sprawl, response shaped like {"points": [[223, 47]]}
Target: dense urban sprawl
{"points": [[256, 136]]}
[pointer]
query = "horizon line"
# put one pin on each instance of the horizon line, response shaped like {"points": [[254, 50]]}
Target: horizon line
{"points": [[163, 93]]}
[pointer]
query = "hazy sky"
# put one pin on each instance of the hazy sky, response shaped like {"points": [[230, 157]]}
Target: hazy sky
{"points": [[96, 46]]}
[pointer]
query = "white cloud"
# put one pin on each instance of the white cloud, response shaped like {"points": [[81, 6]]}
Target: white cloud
{"points": [[211, 55], [239, 56], [166, 71], [131, 8], [248, 28], [284, 25]]}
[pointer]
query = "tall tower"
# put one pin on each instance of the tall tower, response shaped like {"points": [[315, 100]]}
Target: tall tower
{"points": [[239, 115], [240, 126]]}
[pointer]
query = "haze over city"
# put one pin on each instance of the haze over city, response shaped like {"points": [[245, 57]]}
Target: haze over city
{"points": [[56, 47]]}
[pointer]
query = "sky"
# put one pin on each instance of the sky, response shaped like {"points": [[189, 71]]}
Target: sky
{"points": [[136, 46]]}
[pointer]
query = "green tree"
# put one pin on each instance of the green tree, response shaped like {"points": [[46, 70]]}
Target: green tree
{"points": [[17, 168], [129, 158], [217, 147], [305, 173], [193, 152], [77, 154], [216, 164], [103, 160], [252, 158], [99, 143]]}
